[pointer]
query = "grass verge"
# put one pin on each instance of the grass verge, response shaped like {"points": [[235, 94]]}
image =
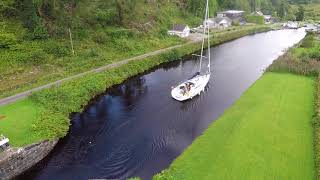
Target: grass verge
{"points": [[266, 134]]}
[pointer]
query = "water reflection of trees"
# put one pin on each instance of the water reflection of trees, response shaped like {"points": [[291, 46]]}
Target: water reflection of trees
{"points": [[131, 91], [99, 121]]}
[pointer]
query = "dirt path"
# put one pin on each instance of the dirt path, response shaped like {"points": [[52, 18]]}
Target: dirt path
{"points": [[25, 94]]}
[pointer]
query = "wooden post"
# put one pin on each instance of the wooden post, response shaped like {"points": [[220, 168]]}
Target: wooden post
{"points": [[70, 35]]}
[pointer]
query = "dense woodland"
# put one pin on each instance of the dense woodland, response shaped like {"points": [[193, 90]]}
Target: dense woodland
{"points": [[50, 17]]}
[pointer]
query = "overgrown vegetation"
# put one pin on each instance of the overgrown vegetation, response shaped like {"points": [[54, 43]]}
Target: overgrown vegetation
{"points": [[55, 104], [303, 60], [255, 19]]}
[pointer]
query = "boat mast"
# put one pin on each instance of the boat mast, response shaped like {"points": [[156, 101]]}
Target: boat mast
{"points": [[208, 37], [206, 34]]}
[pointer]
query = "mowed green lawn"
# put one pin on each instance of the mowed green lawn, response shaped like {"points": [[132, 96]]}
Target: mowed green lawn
{"points": [[266, 134], [16, 122]]}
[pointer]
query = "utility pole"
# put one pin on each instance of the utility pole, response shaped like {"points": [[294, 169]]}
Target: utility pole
{"points": [[71, 42]]}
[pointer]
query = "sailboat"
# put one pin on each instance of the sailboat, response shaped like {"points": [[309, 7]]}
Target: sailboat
{"points": [[196, 84]]}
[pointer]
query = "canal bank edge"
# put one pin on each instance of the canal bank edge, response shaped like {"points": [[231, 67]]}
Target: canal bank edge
{"points": [[54, 118], [17, 160]]}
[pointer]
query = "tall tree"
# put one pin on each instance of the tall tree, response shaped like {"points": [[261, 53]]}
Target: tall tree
{"points": [[300, 14], [282, 9]]}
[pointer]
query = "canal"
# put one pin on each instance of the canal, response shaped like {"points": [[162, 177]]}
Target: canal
{"points": [[136, 129]]}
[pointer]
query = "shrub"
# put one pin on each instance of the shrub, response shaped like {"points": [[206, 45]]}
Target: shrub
{"points": [[255, 19], [57, 49], [105, 17], [40, 32], [100, 37], [308, 41], [7, 40]]}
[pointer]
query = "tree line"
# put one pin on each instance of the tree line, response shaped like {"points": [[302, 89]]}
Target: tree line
{"points": [[44, 17]]}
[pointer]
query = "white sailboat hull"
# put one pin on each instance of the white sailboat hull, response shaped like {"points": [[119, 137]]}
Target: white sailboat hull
{"points": [[198, 85]]}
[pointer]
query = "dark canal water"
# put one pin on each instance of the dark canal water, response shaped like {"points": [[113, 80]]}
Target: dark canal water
{"points": [[137, 129]]}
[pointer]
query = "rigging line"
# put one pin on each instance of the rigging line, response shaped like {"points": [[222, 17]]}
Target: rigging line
{"points": [[204, 33], [209, 53]]}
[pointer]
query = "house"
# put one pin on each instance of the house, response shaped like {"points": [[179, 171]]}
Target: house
{"points": [[312, 28], [236, 16], [218, 22], [291, 25], [267, 19], [180, 30], [257, 13], [232, 14]]}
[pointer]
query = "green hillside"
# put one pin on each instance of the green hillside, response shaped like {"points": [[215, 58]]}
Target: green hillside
{"points": [[35, 43]]}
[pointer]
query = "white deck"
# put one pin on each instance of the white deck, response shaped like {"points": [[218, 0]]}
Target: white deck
{"points": [[4, 141], [199, 84]]}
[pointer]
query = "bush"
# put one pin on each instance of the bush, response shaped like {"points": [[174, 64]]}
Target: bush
{"points": [[7, 40], [308, 41], [105, 17], [57, 49], [40, 32], [29, 53], [255, 19], [100, 37], [314, 53]]}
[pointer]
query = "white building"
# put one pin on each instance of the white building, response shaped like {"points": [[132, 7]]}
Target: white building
{"points": [[267, 18], [218, 22], [232, 14], [180, 30]]}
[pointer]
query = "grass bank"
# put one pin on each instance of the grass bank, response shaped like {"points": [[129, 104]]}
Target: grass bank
{"points": [[266, 134], [116, 45], [53, 106]]}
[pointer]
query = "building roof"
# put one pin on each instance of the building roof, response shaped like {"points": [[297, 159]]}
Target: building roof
{"points": [[267, 16], [179, 27], [232, 12], [219, 19]]}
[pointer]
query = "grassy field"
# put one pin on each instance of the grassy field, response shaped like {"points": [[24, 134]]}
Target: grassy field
{"points": [[16, 122], [266, 134]]}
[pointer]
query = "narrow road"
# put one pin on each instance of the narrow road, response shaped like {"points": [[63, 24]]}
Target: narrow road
{"points": [[25, 94]]}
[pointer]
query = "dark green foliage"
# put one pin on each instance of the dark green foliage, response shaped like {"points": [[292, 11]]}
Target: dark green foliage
{"points": [[300, 14], [28, 14], [40, 32], [7, 7], [58, 49], [282, 9], [308, 41], [7, 39]]}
